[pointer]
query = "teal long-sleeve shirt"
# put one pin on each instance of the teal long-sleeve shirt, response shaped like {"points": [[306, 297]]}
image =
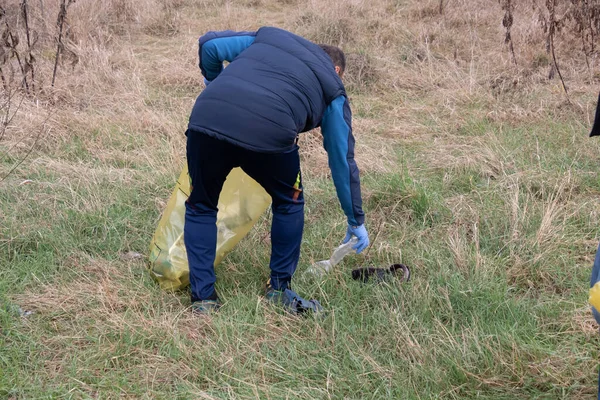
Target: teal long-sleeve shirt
{"points": [[338, 141]]}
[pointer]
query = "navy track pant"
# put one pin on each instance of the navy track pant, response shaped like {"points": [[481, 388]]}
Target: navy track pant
{"points": [[209, 162]]}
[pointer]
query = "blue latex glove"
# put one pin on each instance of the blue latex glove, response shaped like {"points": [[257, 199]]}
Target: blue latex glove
{"points": [[361, 233]]}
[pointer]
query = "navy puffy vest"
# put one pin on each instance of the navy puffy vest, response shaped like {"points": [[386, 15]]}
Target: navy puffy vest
{"points": [[276, 88]]}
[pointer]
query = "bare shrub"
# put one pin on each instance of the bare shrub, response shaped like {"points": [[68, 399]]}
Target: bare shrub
{"points": [[41, 45], [166, 22], [18, 73], [361, 72], [9, 106], [322, 29], [551, 24], [569, 30], [16, 46], [60, 22], [584, 18], [509, 8]]}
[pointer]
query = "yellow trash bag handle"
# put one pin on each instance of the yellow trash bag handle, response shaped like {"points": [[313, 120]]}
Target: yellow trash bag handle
{"points": [[241, 203]]}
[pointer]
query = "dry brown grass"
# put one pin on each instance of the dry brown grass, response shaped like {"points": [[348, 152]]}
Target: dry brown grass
{"points": [[438, 61], [97, 292], [122, 307]]}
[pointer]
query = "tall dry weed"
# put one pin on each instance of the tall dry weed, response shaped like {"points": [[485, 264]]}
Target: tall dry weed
{"points": [[70, 57]]}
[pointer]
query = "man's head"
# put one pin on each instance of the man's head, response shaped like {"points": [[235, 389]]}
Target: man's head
{"points": [[337, 56]]}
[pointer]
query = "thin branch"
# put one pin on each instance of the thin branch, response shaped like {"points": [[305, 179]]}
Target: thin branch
{"points": [[3, 56], [7, 118], [42, 9], [585, 52], [507, 22], [29, 57], [24, 158], [37, 138], [60, 22], [587, 13], [4, 82], [14, 42], [551, 5], [592, 35], [558, 69]]}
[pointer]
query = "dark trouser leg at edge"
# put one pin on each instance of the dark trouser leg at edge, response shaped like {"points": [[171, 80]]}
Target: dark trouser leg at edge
{"points": [[286, 238], [200, 237], [279, 174], [209, 162]]}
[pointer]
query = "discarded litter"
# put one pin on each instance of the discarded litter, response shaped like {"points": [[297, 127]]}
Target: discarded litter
{"points": [[321, 268], [376, 275], [18, 311], [131, 255]]}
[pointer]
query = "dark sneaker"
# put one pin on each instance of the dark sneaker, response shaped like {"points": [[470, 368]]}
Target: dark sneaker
{"points": [[205, 307], [291, 302]]}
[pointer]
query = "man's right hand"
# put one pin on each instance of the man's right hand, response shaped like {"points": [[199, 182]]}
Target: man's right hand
{"points": [[361, 234]]}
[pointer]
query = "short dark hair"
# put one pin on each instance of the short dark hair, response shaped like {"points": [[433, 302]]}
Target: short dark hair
{"points": [[337, 56]]}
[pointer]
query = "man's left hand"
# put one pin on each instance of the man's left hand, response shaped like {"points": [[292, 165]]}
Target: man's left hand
{"points": [[361, 234]]}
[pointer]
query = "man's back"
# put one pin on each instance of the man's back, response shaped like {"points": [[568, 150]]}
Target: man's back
{"points": [[277, 86]]}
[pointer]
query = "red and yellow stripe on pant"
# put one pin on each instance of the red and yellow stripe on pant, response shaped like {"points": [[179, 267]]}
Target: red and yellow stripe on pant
{"points": [[297, 188]]}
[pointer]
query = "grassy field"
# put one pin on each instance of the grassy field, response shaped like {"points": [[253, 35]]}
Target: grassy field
{"points": [[478, 173]]}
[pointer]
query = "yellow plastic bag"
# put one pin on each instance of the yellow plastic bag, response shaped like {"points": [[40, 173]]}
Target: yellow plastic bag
{"points": [[594, 298], [241, 203]]}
